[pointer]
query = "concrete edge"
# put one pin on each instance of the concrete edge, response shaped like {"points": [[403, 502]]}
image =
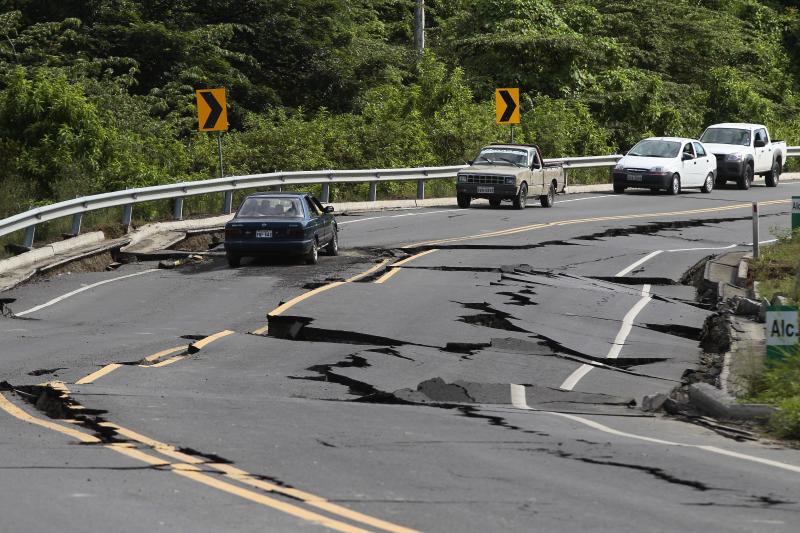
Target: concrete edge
{"points": [[718, 402], [50, 250], [714, 402], [155, 228]]}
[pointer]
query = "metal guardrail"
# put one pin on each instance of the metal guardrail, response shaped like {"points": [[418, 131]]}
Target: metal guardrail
{"points": [[178, 191]]}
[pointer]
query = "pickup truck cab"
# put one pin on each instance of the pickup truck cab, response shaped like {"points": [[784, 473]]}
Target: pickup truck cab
{"points": [[513, 172], [744, 151]]}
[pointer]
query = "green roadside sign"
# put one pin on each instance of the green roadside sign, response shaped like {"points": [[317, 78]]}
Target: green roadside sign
{"points": [[795, 212], [782, 334]]}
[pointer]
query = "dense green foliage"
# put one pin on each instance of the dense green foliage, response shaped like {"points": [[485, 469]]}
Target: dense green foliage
{"points": [[98, 95]]}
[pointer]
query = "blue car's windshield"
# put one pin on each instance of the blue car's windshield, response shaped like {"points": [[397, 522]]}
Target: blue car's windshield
{"points": [[271, 207], [735, 136], [654, 148]]}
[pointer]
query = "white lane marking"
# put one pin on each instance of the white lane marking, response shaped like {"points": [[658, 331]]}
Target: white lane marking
{"points": [[397, 216], [648, 257], [519, 401], [619, 340], [627, 323], [588, 198], [710, 248], [82, 289]]}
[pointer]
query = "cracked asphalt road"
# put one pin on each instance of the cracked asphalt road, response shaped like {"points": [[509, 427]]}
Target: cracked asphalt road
{"points": [[433, 400]]}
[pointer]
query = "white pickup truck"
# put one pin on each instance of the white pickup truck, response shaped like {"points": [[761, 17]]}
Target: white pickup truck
{"points": [[744, 151]]}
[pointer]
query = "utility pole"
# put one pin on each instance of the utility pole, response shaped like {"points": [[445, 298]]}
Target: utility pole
{"points": [[419, 26]]}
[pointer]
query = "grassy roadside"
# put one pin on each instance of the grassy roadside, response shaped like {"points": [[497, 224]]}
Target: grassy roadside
{"points": [[777, 271]]}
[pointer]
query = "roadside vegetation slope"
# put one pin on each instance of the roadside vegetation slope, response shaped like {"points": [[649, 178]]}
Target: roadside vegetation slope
{"points": [[99, 95]]}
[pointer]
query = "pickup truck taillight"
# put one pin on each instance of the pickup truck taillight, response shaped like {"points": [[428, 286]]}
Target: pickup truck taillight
{"points": [[232, 232]]}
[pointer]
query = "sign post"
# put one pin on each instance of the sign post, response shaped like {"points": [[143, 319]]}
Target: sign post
{"points": [[212, 115], [782, 334], [795, 212], [507, 107]]}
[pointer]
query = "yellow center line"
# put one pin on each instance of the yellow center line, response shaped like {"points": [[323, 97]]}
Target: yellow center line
{"points": [[521, 229], [385, 277], [202, 343], [368, 272], [18, 413], [261, 331], [297, 299], [158, 355], [245, 477], [412, 258], [169, 361], [192, 472], [266, 501], [94, 376]]}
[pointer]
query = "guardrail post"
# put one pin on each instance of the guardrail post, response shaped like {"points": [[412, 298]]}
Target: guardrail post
{"points": [[77, 218], [325, 194], [227, 206], [420, 189], [30, 232], [127, 216], [177, 212], [373, 191], [755, 231]]}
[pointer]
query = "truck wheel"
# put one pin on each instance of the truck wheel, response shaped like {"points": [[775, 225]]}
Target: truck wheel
{"points": [[463, 201], [675, 185], [708, 185], [550, 198], [774, 175], [494, 202], [746, 178], [619, 188], [521, 199]]}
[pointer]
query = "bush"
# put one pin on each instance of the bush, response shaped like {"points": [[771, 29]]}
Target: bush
{"points": [[786, 422]]}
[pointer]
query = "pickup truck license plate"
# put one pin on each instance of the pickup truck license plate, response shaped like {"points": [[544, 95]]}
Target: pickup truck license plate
{"points": [[485, 190], [264, 234], [634, 177]]}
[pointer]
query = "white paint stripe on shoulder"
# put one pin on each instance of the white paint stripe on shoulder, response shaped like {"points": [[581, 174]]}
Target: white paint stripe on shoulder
{"points": [[704, 248], [588, 198], [518, 400], [397, 216], [575, 377], [82, 289], [648, 257], [619, 341], [627, 323]]}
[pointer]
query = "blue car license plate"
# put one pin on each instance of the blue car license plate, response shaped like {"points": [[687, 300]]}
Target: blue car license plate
{"points": [[264, 234]]}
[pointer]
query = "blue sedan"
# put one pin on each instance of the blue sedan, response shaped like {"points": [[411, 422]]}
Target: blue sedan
{"points": [[280, 224]]}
